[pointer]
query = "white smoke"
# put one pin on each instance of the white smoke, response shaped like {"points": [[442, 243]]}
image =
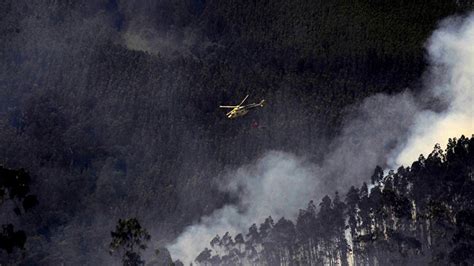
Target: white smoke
{"points": [[451, 54], [383, 130], [263, 190]]}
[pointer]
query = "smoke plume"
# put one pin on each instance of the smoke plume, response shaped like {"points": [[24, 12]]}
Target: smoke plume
{"points": [[451, 79], [263, 191], [386, 130]]}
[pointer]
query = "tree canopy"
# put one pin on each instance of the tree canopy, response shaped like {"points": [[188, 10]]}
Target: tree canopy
{"points": [[128, 240], [416, 215]]}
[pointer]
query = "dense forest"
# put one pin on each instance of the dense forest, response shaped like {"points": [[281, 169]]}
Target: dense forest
{"points": [[418, 215], [109, 108]]}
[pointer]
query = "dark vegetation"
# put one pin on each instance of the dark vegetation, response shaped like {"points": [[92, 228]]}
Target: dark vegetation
{"points": [[128, 240], [415, 216], [15, 195], [108, 131]]}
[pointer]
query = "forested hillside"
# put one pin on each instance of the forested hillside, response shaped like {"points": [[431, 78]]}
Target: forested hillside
{"points": [[417, 215], [111, 106]]}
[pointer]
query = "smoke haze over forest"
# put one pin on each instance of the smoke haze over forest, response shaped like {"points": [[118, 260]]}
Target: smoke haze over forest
{"points": [[375, 125], [111, 106]]}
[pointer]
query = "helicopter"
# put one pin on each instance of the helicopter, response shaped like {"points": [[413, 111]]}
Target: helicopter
{"points": [[241, 110]]}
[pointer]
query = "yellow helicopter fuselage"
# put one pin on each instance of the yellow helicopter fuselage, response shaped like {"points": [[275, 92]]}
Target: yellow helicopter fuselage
{"points": [[240, 111]]}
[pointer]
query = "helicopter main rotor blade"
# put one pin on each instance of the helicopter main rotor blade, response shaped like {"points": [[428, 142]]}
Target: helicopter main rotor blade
{"points": [[244, 100], [227, 106]]}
